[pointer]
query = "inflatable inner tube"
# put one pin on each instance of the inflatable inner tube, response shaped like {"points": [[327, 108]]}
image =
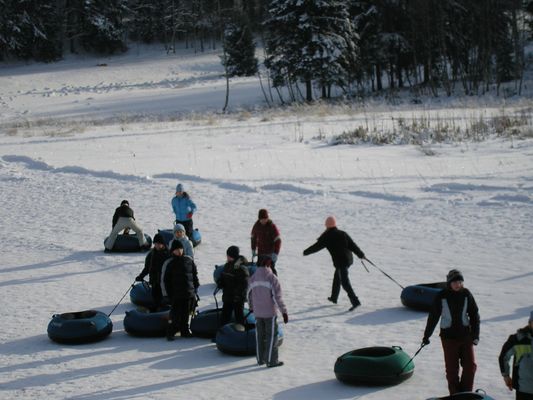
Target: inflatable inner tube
{"points": [[373, 366], [141, 295], [168, 235], [79, 327], [421, 297], [141, 322], [252, 267], [477, 395], [239, 340], [205, 324], [129, 244]]}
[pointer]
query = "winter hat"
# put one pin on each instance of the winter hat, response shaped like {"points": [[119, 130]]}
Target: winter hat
{"points": [[263, 213], [454, 275], [233, 252], [124, 203], [179, 227], [176, 244], [158, 238], [331, 222], [179, 187]]}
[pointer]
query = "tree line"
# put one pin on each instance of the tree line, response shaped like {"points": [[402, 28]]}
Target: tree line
{"points": [[312, 48]]}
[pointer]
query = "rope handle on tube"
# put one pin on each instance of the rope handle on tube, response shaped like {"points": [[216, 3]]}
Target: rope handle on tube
{"points": [[122, 298], [383, 272]]}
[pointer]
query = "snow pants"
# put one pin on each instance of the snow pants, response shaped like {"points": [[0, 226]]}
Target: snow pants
{"points": [[459, 352], [179, 316], [122, 224], [266, 339], [341, 278], [230, 307]]}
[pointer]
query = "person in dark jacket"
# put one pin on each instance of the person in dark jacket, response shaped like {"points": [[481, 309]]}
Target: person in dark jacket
{"points": [[265, 240], [124, 220], [459, 331], [179, 281], [518, 348], [234, 284], [341, 246], [153, 263]]}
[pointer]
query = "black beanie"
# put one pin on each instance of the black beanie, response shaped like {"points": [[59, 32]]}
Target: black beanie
{"points": [[233, 252], [176, 244], [125, 203], [158, 238], [454, 275]]}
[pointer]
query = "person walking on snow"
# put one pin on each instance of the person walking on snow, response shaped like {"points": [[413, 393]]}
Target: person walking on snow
{"points": [[153, 263], [183, 208], [265, 240], [123, 219], [459, 331], [234, 284], [341, 246], [179, 234], [179, 281], [265, 299], [518, 348]]}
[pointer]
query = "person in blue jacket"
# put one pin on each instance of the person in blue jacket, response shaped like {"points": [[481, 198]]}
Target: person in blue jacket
{"points": [[183, 208]]}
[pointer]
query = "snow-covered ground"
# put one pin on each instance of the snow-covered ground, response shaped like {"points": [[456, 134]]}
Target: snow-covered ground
{"points": [[469, 206]]}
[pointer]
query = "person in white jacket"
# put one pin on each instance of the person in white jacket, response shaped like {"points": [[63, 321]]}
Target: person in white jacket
{"points": [[265, 299]]}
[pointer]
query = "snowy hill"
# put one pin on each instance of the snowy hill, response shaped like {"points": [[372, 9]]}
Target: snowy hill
{"points": [[469, 206]]}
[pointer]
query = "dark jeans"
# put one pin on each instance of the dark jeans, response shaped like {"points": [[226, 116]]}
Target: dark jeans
{"points": [[230, 307], [459, 352], [179, 316], [341, 278], [188, 227], [157, 296]]}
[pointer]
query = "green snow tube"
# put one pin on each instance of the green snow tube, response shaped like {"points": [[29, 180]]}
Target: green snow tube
{"points": [[374, 366]]}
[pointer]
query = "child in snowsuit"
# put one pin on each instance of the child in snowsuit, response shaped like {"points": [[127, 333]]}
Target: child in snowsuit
{"points": [[123, 219], [153, 263], [183, 208], [518, 347], [179, 234], [265, 298], [459, 331], [265, 240], [234, 283], [179, 281], [341, 246]]}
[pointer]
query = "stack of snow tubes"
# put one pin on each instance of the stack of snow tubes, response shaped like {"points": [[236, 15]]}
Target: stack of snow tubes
{"points": [[142, 322], [129, 244], [206, 323], [79, 327], [421, 297], [373, 366], [239, 340]]}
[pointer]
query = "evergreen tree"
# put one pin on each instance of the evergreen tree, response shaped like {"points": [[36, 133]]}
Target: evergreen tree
{"points": [[309, 40], [239, 50], [147, 21]]}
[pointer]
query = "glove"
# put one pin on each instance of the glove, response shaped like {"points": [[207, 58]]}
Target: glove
{"points": [[475, 342], [139, 278], [285, 318], [274, 257], [508, 382], [425, 341], [189, 215]]}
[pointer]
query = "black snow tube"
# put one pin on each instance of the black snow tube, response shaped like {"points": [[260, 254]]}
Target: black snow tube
{"points": [[141, 295], [141, 322], [206, 323], [239, 340], [129, 244], [374, 366], [421, 297], [477, 395], [79, 327]]}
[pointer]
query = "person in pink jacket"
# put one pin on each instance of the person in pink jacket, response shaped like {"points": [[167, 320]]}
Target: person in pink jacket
{"points": [[265, 299]]}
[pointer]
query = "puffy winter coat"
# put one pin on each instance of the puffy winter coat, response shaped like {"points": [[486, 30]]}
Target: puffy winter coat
{"points": [[179, 278], [234, 280], [264, 294], [339, 244], [265, 238], [153, 263], [182, 207], [458, 313], [519, 347], [122, 212]]}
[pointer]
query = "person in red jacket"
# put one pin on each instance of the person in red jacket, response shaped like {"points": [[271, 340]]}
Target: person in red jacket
{"points": [[266, 240]]}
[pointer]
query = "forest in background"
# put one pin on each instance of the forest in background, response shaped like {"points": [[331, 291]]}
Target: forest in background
{"points": [[351, 47]]}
